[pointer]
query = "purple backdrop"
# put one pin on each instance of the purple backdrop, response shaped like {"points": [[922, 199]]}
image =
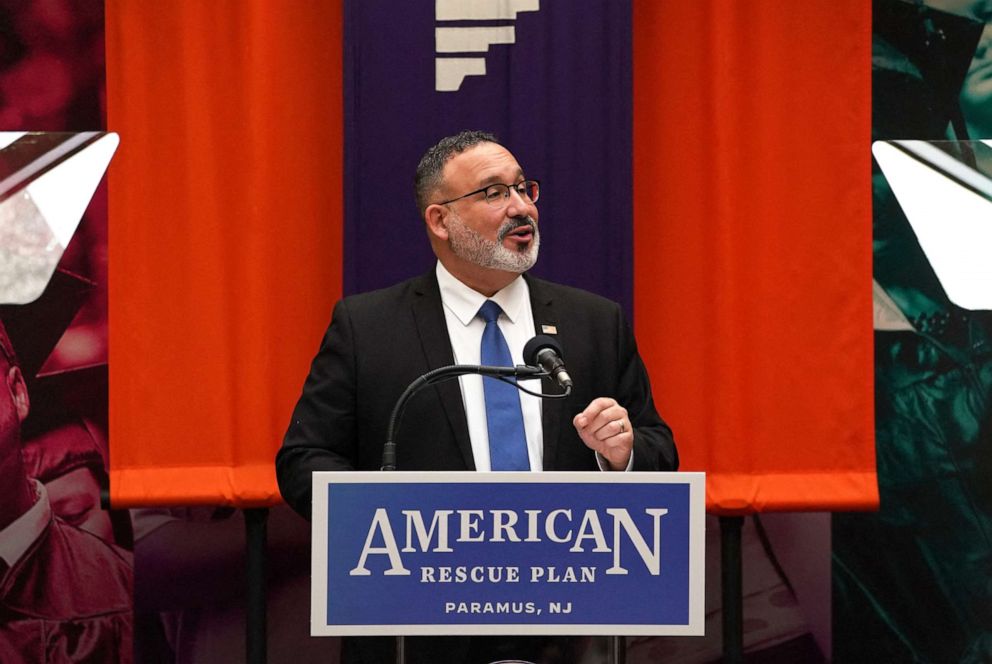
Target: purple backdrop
{"points": [[559, 97]]}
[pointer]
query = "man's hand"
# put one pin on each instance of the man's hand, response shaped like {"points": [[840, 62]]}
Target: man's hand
{"points": [[604, 428]]}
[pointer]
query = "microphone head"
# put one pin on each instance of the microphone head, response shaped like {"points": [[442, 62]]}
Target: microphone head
{"points": [[539, 343]]}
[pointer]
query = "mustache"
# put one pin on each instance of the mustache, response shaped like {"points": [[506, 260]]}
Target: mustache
{"points": [[511, 225]]}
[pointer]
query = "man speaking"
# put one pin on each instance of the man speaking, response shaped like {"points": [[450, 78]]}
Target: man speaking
{"points": [[476, 306]]}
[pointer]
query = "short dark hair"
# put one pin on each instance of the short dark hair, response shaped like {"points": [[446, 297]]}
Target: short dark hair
{"points": [[429, 170]]}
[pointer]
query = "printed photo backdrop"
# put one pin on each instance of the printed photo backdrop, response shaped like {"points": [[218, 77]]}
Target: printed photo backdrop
{"points": [[911, 582]]}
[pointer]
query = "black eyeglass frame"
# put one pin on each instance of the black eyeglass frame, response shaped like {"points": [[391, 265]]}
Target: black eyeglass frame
{"points": [[506, 197]]}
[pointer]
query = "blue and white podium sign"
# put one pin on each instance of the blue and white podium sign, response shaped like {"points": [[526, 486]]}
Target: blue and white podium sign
{"points": [[496, 553]]}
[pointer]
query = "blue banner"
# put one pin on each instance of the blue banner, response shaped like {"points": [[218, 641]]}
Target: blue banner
{"points": [[479, 552]]}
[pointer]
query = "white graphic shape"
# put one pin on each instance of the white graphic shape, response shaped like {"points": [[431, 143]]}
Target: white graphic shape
{"points": [[42, 201], [63, 193], [482, 10], [450, 72], [8, 137], [953, 224], [471, 40]]}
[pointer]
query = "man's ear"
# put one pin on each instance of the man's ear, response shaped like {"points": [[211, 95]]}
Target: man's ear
{"points": [[436, 218], [18, 392]]}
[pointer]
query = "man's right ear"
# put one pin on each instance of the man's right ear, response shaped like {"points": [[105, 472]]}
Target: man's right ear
{"points": [[18, 392], [435, 216]]}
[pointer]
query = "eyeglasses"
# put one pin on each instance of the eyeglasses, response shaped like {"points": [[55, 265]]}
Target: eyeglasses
{"points": [[498, 194]]}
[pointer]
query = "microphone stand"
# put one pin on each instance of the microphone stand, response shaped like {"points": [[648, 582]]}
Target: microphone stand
{"points": [[437, 376], [454, 371]]}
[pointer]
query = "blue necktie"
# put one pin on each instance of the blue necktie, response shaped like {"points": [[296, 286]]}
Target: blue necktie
{"points": [[505, 421]]}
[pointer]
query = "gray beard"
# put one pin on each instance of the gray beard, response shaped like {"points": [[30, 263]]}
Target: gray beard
{"points": [[471, 246]]}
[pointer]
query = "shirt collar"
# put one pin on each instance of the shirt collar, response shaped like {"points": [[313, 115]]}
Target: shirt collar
{"points": [[464, 302], [18, 537]]}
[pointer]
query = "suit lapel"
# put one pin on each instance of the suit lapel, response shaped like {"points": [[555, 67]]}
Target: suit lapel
{"points": [[433, 331], [545, 316]]}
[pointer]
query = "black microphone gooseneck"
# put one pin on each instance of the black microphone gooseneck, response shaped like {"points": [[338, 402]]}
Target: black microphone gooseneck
{"points": [[546, 353], [440, 375]]}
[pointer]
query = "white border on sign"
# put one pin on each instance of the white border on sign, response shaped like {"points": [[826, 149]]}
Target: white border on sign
{"points": [[697, 563]]}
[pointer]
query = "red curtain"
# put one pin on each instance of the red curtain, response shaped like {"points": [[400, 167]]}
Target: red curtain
{"points": [[225, 237], [752, 221]]}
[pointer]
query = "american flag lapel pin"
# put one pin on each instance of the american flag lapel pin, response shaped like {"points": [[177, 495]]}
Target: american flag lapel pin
{"points": [[549, 329]]}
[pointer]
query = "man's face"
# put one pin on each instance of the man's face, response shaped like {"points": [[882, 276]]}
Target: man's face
{"points": [[502, 237], [9, 424], [75, 497], [15, 493], [13, 410], [976, 94], [474, 247]]}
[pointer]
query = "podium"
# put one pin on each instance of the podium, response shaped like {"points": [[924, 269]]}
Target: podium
{"points": [[470, 553]]}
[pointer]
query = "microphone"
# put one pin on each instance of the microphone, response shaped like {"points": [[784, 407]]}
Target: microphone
{"points": [[546, 352], [447, 373]]}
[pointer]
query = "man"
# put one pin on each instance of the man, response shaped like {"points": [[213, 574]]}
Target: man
{"points": [[976, 93], [482, 222], [65, 594], [68, 459]]}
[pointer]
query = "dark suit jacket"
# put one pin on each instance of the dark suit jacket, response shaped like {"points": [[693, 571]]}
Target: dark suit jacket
{"points": [[380, 342]]}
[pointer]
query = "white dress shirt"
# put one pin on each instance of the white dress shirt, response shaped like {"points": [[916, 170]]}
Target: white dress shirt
{"points": [[461, 304]]}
